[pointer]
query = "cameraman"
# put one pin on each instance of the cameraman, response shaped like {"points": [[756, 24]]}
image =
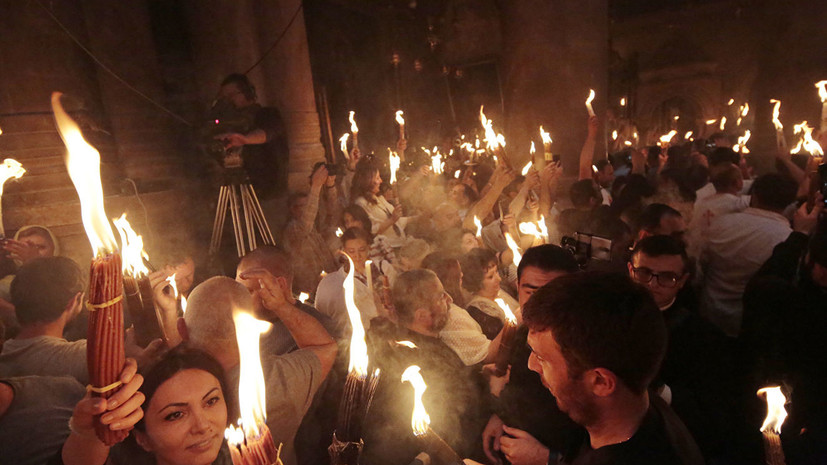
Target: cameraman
{"points": [[265, 152]]}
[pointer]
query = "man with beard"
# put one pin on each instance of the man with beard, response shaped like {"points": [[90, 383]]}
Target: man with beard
{"points": [[597, 341], [454, 395]]}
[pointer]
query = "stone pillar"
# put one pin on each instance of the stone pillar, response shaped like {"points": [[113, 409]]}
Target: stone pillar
{"points": [[289, 85], [554, 51]]}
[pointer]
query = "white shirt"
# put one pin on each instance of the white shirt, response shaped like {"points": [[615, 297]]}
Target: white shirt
{"points": [[709, 190], [738, 244], [378, 213], [705, 210], [464, 336], [330, 299]]}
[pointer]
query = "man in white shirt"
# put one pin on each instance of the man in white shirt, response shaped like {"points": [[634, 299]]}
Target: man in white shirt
{"points": [[728, 183], [738, 244]]}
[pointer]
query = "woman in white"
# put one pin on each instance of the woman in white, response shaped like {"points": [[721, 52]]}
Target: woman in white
{"points": [[385, 218]]}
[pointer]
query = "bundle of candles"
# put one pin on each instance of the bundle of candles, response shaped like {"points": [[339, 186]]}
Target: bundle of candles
{"points": [[140, 303], [771, 429], [10, 168], [437, 449], [105, 349], [506, 339], [360, 386], [251, 442]]}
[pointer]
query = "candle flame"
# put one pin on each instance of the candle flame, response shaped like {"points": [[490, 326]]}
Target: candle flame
{"points": [[594, 168], [530, 228], [456, 174], [467, 146], [731, 101], [478, 224], [806, 141], [623, 101], [83, 164], [688, 134], [775, 409], [436, 163], [173, 284], [745, 109], [393, 162], [252, 400], [419, 418], [303, 296], [627, 143], [543, 229], [545, 136], [515, 249], [407, 344], [741, 145], [343, 144], [509, 315], [526, 168], [590, 98], [666, 138], [339, 232], [723, 123], [711, 121], [822, 90], [132, 249], [358, 347], [614, 134], [776, 112], [532, 150], [10, 168], [350, 117], [399, 119], [492, 140]]}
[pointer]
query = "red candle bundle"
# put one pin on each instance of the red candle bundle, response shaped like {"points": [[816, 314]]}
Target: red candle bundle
{"points": [[104, 346]]}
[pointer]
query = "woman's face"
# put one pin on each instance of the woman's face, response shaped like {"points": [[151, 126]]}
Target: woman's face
{"points": [[185, 420], [358, 251], [490, 282], [375, 183], [469, 241]]}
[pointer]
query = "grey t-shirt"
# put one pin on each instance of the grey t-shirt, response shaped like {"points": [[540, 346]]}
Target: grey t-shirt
{"points": [[36, 425], [44, 356], [291, 380]]}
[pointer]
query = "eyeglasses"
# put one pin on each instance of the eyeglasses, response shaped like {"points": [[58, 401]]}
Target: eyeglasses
{"points": [[665, 279]]}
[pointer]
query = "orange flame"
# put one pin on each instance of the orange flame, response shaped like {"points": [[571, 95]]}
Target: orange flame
{"points": [[515, 249], [526, 168], [419, 417], [343, 144], [393, 162], [545, 136], [530, 228], [132, 249], [543, 229], [509, 315], [358, 347], [10, 168], [399, 119], [478, 224], [252, 400], [822, 90], [350, 117], [806, 141], [407, 344], [303, 296], [776, 112], [83, 164], [492, 140], [589, 100], [775, 409]]}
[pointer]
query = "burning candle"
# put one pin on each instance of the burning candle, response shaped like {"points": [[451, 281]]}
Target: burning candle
{"points": [[506, 339], [303, 296], [741, 145], [478, 224], [589, 102], [369, 275], [780, 140], [530, 228], [526, 168], [146, 318], [771, 428], [9, 169], [822, 93], [666, 138], [439, 451], [515, 249], [251, 442], [343, 145], [401, 121], [541, 223], [353, 128], [723, 123], [546, 137], [806, 141], [105, 350], [339, 232], [437, 164], [393, 163]]}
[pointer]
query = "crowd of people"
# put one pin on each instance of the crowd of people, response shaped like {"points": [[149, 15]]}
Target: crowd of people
{"points": [[661, 293]]}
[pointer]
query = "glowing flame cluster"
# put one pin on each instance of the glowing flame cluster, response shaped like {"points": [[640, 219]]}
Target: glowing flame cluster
{"points": [[546, 137], [775, 409], [742, 113], [515, 249], [805, 140], [436, 162], [776, 112], [741, 145], [492, 139], [132, 249], [251, 389], [666, 138], [393, 162], [10, 168], [509, 315], [419, 418], [83, 164], [358, 348]]}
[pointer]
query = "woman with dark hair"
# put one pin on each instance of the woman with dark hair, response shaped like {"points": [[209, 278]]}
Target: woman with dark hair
{"points": [[385, 218], [355, 216], [481, 277], [185, 415]]}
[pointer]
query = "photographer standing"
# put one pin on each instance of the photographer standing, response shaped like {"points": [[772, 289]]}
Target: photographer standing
{"points": [[260, 134]]}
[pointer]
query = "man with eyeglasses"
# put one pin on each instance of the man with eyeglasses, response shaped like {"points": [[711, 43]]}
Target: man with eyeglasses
{"points": [[694, 368]]}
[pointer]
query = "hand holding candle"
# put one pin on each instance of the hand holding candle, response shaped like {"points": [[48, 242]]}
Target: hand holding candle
{"points": [[771, 428]]}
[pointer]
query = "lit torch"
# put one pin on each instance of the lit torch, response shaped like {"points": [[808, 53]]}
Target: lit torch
{"points": [[401, 121], [506, 339], [666, 138], [493, 141], [9, 169], [140, 303], [589, 102], [780, 140], [251, 442], [343, 145], [353, 128], [438, 450], [741, 146], [359, 388], [806, 141], [478, 224], [436, 163], [771, 429], [515, 249], [546, 144], [104, 346], [822, 94]]}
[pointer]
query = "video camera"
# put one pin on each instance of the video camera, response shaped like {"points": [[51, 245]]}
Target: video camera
{"points": [[586, 247], [224, 118]]}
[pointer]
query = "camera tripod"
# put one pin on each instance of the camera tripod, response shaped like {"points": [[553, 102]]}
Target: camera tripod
{"points": [[239, 197]]}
